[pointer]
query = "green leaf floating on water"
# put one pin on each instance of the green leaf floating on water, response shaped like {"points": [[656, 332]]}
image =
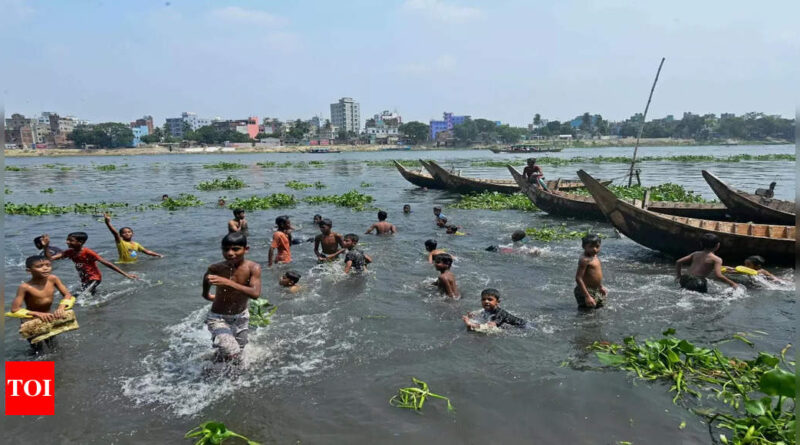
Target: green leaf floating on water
{"points": [[225, 166], [261, 312], [273, 201], [229, 183], [778, 382], [414, 397], [214, 433], [297, 185], [352, 199], [495, 201], [556, 233]]}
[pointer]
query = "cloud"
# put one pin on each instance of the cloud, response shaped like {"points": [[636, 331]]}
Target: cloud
{"points": [[242, 16], [441, 64], [443, 11]]}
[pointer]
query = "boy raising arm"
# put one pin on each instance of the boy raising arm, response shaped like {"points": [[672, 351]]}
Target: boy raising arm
{"points": [[126, 247]]}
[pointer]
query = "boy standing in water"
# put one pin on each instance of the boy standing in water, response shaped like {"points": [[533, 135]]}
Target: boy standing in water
{"points": [[446, 281], [703, 263], [85, 260], [329, 240], [281, 242], [354, 259], [382, 227], [590, 292], [237, 280], [238, 223], [126, 247]]}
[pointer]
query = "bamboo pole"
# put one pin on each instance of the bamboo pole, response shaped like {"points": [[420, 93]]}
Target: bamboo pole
{"points": [[641, 127]]}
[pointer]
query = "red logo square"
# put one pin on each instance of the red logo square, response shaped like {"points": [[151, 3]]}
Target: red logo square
{"points": [[29, 388]]}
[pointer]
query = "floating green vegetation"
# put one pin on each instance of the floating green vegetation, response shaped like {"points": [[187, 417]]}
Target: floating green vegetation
{"points": [[47, 190], [365, 184], [8, 191], [105, 168], [229, 183], [352, 199], [495, 201], [626, 160], [662, 192], [390, 163], [261, 312], [49, 166], [225, 166], [11, 208], [273, 201], [266, 164], [286, 164], [556, 233], [297, 185], [214, 433], [183, 200], [315, 163], [65, 169], [693, 371], [14, 168], [413, 397], [319, 185]]}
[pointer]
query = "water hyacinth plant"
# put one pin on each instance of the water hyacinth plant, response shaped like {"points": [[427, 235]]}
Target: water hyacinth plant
{"points": [[626, 160], [556, 233], [105, 168], [225, 166], [694, 371], [13, 168], [229, 183], [261, 312], [51, 209], [365, 184], [47, 190], [413, 397], [183, 200], [662, 192], [352, 199], [273, 201], [7, 191], [214, 433], [297, 185], [495, 201], [319, 185], [266, 164]]}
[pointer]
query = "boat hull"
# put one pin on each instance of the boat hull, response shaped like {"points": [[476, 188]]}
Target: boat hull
{"points": [[752, 207], [417, 179], [463, 184]]}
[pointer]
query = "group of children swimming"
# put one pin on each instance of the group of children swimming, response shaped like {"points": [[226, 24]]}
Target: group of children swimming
{"points": [[238, 280]]}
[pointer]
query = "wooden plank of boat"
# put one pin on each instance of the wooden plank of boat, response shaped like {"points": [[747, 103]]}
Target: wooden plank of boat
{"points": [[678, 236], [418, 179], [750, 206], [560, 203]]}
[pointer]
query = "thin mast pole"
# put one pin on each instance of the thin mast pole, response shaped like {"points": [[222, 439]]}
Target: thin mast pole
{"points": [[644, 117]]}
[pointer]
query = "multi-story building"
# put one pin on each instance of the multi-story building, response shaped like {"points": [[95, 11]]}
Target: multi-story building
{"points": [[346, 114], [384, 127], [146, 121], [18, 131], [328, 131], [176, 127], [446, 124], [138, 133]]}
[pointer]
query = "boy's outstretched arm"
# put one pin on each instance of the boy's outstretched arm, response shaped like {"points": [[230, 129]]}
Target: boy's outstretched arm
{"points": [[269, 256], [116, 269], [368, 258], [370, 229], [582, 265], [679, 263], [151, 253], [317, 242], [111, 228], [207, 287], [46, 244], [347, 266], [718, 274], [253, 290]]}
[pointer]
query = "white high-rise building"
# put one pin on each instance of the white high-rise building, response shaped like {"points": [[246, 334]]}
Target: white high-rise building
{"points": [[346, 115]]}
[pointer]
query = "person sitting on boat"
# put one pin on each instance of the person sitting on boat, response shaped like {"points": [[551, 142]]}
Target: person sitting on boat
{"points": [[533, 173], [703, 263]]}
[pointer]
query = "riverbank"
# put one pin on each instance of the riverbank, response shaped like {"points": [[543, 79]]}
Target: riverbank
{"points": [[156, 150]]}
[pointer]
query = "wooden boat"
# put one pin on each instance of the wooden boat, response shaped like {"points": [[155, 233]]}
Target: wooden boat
{"points": [[678, 235], [418, 179], [323, 150], [750, 206], [560, 203], [464, 184], [527, 148]]}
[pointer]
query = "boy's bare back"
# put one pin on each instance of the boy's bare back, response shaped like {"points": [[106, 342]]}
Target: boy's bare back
{"points": [[227, 300], [383, 228], [703, 263]]}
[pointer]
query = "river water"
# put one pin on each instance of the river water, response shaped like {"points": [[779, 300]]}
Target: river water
{"points": [[324, 370]]}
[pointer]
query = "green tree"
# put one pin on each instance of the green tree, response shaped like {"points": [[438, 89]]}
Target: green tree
{"points": [[106, 135], [537, 119], [415, 132], [586, 123], [299, 130]]}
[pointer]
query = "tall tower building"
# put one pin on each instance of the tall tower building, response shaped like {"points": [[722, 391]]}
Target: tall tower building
{"points": [[346, 115]]}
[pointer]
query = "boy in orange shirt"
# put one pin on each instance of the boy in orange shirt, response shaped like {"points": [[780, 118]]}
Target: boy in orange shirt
{"points": [[281, 241]]}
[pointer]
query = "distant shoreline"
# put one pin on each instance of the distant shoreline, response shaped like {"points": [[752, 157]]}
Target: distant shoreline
{"points": [[158, 150]]}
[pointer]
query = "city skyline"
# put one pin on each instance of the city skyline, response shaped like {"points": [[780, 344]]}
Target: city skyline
{"points": [[421, 57]]}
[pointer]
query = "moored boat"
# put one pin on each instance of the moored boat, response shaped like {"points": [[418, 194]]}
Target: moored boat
{"points": [[418, 178], [527, 148], [560, 203], [678, 235], [464, 184], [751, 206]]}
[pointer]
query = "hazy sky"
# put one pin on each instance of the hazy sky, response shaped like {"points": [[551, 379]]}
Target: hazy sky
{"points": [[501, 59]]}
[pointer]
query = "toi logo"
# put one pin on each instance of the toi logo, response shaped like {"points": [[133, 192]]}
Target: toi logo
{"points": [[29, 388]]}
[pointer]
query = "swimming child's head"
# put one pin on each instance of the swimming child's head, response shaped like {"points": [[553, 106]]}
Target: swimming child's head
{"points": [[590, 244], [437, 210], [282, 222], [490, 298], [430, 245], [451, 229], [382, 215], [406, 208], [531, 161], [76, 240], [234, 246], [164, 197], [709, 241], [442, 261], [441, 222], [238, 213], [350, 240], [38, 242], [755, 262], [126, 233], [221, 202], [317, 219], [38, 266], [290, 278], [518, 235]]}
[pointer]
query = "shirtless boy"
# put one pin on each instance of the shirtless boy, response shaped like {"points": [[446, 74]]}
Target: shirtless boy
{"points": [[430, 246], [330, 241], [702, 264], [289, 280], [590, 292], [238, 223], [382, 227], [237, 280], [446, 281]]}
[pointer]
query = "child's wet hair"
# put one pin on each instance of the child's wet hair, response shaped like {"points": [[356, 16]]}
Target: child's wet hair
{"points": [[234, 239], [326, 222], [518, 235], [491, 291], [437, 208], [590, 238], [430, 245], [757, 260], [451, 228], [709, 240], [31, 260], [237, 211], [281, 221], [81, 237], [38, 242], [531, 160], [382, 215], [443, 258], [123, 228], [352, 236], [293, 275]]}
